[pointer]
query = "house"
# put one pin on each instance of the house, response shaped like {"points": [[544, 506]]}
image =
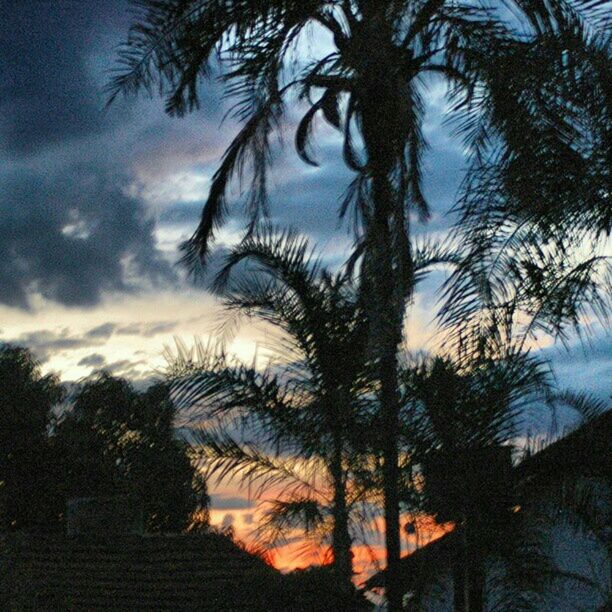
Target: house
{"points": [[106, 562], [130, 572], [578, 466]]}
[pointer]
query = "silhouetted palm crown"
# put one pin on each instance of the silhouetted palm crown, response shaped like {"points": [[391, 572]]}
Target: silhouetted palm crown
{"points": [[508, 68], [301, 418], [367, 80]]}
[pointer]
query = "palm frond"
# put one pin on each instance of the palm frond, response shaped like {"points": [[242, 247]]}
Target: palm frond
{"points": [[283, 517], [588, 406], [215, 388], [225, 458], [252, 143]]}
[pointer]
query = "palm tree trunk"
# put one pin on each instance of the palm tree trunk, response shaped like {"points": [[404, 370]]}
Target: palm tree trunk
{"points": [[460, 582], [389, 404], [475, 569], [388, 299], [341, 539], [386, 321]]}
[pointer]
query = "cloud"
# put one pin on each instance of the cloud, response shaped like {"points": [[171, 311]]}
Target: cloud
{"points": [[147, 330], [102, 331], [47, 95], [228, 521], [222, 502], [125, 367], [584, 368], [69, 229], [118, 365], [95, 360], [44, 343], [71, 235]]}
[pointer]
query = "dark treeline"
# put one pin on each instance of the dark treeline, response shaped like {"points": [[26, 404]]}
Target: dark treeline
{"points": [[107, 440]]}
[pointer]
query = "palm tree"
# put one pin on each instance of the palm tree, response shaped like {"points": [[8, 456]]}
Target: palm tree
{"points": [[462, 424], [370, 81], [525, 290], [538, 247], [299, 418]]}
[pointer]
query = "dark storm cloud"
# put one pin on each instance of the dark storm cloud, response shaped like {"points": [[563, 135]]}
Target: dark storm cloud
{"points": [[71, 235], [46, 93], [67, 228]]}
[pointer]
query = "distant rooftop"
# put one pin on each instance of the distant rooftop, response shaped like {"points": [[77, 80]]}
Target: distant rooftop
{"points": [[583, 452], [178, 572]]}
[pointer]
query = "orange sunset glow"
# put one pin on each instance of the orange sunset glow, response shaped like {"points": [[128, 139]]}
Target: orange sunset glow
{"points": [[299, 553]]}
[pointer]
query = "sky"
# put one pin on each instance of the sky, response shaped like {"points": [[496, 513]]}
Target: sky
{"points": [[94, 203]]}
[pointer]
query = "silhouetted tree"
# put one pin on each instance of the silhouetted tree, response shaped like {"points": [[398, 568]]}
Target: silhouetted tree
{"points": [[26, 402], [369, 79], [115, 440], [301, 418], [314, 589], [536, 248], [462, 425]]}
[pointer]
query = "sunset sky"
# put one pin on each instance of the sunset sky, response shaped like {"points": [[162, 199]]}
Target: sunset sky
{"points": [[94, 203]]}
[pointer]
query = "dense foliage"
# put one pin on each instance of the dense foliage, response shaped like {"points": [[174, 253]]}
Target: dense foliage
{"points": [[115, 440], [110, 440], [26, 402]]}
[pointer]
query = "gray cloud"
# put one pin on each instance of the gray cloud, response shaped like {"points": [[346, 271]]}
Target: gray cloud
{"points": [[77, 231], [221, 502], [597, 349], [72, 235], [228, 521], [122, 367], [102, 331], [147, 330], [47, 94], [585, 367], [136, 371], [44, 343], [182, 213], [119, 366], [95, 360], [311, 200], [68, 231]]}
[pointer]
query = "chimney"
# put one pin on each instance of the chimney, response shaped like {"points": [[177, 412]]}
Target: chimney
{"points": [[104, 516]]}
